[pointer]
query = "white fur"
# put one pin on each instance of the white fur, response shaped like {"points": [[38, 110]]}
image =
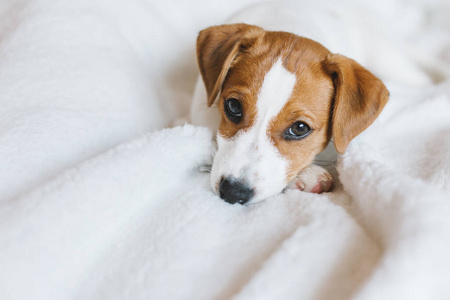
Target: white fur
{"points": [[250, 156]]}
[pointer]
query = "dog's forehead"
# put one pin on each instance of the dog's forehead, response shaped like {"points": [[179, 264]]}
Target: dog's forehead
{"points": [[263, 88], [277, 88], [266, 79]]}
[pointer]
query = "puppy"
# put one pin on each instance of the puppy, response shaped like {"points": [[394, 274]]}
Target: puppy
{"points": [[276, 100]]}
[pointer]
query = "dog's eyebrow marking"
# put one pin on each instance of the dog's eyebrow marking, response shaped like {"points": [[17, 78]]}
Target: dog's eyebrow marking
{"points": [[302, 114]]}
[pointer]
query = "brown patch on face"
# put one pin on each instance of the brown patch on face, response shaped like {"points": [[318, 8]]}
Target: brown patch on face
{"points": [[330, 89], [246, 73], [243, 82], [310, 102]]}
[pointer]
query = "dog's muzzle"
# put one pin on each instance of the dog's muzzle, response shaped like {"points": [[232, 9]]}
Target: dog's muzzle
{"points": [[232, 190]]}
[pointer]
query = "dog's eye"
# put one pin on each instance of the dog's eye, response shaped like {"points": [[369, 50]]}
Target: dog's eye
{"points": [[233, 109], [297, 131]]}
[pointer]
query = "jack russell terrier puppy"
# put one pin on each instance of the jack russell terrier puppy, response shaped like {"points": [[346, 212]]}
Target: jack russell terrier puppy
{"points": [[276, 100]]}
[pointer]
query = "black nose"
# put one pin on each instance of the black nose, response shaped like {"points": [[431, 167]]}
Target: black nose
{"points": [[231, 190]]}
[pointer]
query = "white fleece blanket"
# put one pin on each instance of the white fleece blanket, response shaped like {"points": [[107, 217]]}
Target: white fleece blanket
{"points": [[97, 201]]}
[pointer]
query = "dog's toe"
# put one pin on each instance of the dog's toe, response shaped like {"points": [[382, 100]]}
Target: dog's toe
{"points": [[314, 179]]}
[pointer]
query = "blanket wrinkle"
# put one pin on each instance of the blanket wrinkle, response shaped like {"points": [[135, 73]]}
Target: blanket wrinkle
{"points": [[349, 241]]}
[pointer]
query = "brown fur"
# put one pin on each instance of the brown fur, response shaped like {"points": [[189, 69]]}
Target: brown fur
{"points": [[333, 94]]}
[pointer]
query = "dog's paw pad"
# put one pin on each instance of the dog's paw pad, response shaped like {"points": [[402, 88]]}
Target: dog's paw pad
{"points": [[314, 180], [325, 184]]}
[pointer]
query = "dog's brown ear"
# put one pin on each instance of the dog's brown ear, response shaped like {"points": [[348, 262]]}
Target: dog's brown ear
{"points": [[359, 97], [217, 47]]}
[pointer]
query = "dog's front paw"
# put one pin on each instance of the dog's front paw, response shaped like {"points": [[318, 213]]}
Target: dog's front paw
{"points": [[313, 179]]}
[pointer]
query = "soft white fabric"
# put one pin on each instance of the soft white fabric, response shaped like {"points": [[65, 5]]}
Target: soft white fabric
{"points": [[96, 204]]}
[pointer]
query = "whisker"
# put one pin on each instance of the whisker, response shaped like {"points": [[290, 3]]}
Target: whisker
{"points": [[324, 160], [206, 168]]}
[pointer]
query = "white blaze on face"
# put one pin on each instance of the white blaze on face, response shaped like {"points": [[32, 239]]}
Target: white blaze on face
{"points": [[250, 156]]}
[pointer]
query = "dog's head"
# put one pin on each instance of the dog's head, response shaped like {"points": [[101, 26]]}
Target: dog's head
{"points": [[282, 98]]}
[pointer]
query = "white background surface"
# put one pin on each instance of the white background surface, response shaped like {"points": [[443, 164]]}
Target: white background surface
{"points": [[94, 204]]}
